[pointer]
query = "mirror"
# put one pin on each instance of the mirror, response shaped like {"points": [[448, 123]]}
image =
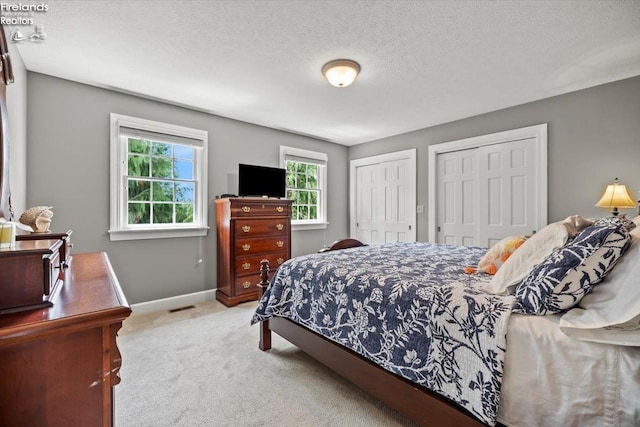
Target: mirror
{"points": [[7, 78]]}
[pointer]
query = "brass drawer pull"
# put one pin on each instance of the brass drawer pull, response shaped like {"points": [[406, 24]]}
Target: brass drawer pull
{"points": [[280, 243], [280, 260], [246, 209], [280, 227], [246, 266], [246, 247], [246, 228], [280, 209], [246, 284]]}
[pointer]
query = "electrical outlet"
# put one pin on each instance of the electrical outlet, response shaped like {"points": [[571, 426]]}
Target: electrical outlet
{"points": [[420, 209]]}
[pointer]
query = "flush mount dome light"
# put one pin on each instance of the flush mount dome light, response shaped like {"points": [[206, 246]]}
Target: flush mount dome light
{"points": [[341, 72]]}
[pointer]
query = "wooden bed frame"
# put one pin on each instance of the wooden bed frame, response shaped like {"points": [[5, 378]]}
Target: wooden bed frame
{"points": [[416, 403]]}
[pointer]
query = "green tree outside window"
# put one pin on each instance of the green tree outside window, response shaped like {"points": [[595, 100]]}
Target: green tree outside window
{"points": [[302, 189], [160, 182]]}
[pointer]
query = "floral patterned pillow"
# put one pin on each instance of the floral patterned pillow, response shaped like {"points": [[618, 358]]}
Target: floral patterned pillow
{"points": [[622, 221], [570, 272]]}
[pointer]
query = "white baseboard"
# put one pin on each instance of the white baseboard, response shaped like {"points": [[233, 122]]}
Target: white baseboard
{"points": [[173, 302]]}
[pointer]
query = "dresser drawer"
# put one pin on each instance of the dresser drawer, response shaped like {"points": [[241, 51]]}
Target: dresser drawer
{"points": [[29, 273], [246, 284], [257, 246], [65, 248], [251, 265], [53, 272], [245, 228], [255, 208]]}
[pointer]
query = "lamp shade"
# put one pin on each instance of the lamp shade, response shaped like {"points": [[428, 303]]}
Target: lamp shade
{"points": [[341, 72], [616, 196]]}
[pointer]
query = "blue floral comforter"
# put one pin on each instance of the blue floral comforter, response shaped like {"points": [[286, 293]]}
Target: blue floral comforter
{"points": [[408, 307]]}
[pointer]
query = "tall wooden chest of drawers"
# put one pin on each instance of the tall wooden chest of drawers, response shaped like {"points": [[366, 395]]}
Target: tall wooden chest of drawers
{"points": [[249, 230]]}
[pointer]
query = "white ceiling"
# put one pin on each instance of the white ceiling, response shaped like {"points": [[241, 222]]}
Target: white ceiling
{"points": [[423, 62]]}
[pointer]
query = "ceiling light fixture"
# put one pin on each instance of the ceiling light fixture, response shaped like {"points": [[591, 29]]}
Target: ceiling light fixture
{"points": [[341, 72]]}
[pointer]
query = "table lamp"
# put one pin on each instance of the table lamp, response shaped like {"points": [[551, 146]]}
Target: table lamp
{"points": [[616, 196]]}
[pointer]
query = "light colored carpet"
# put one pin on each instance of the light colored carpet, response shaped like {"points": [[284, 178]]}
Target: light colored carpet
{"points": [[202, 367]]}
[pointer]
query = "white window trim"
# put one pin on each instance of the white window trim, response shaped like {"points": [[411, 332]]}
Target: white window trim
{"points": [[322, 158], [118, 227]]}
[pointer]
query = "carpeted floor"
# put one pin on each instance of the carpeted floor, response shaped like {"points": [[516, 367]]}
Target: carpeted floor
{"points": [[202, 367]]}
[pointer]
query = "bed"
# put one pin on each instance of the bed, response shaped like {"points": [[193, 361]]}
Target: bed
{"points": [[408, 324]]}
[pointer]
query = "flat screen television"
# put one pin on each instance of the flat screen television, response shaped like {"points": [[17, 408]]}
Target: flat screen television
{"points": [[261, 181]]}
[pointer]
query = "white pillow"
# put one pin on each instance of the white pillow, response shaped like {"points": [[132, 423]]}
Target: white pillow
{"points": [[611, 312], [532, 252]]}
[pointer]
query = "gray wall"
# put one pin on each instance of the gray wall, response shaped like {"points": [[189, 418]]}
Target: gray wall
{"points": [[17, 112], [68, 168], [593, 137]]}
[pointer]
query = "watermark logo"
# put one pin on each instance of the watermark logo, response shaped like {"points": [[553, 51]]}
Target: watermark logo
{"points": [[37, 36], [24, 16]]}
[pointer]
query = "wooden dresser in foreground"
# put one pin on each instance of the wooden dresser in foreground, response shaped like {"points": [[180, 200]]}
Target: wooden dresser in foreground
{"points": [[58, 364], [249, 230]]}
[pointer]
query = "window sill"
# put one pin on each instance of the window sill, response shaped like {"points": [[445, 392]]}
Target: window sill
{"points": [[309, 226], [141, 234]]}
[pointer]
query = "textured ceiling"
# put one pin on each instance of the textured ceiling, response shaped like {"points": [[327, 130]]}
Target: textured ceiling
{"points": [[423, 62]]}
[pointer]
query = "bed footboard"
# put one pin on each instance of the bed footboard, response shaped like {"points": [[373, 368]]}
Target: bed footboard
{"points": [[420, 405], [265, 332], [427, 409]]}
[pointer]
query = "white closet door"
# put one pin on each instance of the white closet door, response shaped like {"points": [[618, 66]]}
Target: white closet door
{"points": [[487, 187], [458, 198], [507, 190], [384, 198], [397, 220], [368, 204], [487, 193]]}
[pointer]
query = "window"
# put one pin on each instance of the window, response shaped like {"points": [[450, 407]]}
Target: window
{"points": [[158, 180], [306, 186]]}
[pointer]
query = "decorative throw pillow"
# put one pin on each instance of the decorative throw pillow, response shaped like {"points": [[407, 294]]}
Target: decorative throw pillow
{"points": [[621, 221], [535, 250], [611, 312], [499, 253], [575, 223], [570, 272]]}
